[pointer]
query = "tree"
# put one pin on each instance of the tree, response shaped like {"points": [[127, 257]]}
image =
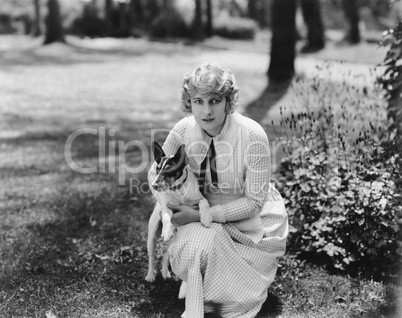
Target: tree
{"points": [[54, 28], [209, 25], [36, 28], [198, 29], [252, 9], [257, 10], [312, 15], [123, 29], [352, 15], [137, 13], [109, 14], [151, 10], [283, 41]]}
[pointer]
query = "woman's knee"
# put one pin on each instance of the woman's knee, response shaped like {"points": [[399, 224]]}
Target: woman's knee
{"points": [[199, 239]]}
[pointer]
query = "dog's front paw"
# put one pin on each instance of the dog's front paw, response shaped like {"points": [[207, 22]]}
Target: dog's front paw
{"points": [[150, 276], [167, 232], [205, 214]]}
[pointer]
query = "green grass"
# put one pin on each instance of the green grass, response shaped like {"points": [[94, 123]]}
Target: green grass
{"points": [[75, 244]]}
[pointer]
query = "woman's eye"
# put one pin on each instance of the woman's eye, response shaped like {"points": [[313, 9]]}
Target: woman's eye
{"points": [[198, 101], [216, 101]]}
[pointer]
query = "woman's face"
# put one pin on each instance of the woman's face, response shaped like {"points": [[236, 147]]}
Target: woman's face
{"points": [[209, 113]]}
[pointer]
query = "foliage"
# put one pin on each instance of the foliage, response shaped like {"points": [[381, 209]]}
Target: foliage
{"points": [[307, 291], [169, 23], [89, 23], [340, 181], [235, 27], [391, 79]]}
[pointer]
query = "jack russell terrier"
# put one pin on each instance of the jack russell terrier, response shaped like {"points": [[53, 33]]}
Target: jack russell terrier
{"points": [[175, 184]]}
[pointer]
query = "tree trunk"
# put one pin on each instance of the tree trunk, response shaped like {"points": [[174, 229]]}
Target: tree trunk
{"points": [[283, 41], [198, 30], [252, 9], [209, 25], [109, 15], [124, 20], [54, 28], [352, 15], [36, 28], [152, 10], [311, 11], [262, 13], [137, 13]]}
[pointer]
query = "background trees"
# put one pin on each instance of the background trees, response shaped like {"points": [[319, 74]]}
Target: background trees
{"points": [[54, 28], [198, 29], [311, 10], [37, 19], [199, 19], [352, 16], [281, 67]]}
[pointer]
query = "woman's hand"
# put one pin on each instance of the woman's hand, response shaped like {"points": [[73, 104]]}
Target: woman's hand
{"points": [[183, 214]]}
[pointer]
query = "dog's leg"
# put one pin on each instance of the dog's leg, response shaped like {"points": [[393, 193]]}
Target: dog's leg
{"points": [[153, 225], [165, 262], [167, 228], [205, 214]]}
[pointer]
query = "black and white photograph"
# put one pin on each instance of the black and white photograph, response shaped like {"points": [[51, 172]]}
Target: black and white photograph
{"points": [[200, 158]]}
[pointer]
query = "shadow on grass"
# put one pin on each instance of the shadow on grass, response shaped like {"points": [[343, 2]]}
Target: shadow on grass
{"points": [[78, 51], [74, 243], [258, 108], [91, 259]]}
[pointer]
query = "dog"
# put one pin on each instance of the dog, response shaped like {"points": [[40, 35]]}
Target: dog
{"points": [[176, 184]]}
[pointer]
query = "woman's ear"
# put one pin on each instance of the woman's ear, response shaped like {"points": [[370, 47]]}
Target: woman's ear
{"points": [[158, 152], [228, 106]]}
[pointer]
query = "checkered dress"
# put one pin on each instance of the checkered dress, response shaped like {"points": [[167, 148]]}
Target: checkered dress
{"points": [[229, 267]]}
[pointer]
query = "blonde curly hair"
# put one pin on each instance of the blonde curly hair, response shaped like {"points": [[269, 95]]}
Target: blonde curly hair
{"points": [[210, 79]]}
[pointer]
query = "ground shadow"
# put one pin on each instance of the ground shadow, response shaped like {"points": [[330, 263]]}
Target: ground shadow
{"points": [[81, 52], [258, 108], [93, 254]]}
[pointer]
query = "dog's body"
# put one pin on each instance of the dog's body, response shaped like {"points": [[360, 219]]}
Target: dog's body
{"points": [[177, 185]]}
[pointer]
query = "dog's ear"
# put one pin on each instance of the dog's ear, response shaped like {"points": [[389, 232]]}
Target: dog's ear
{"points": [[181, 157], [158, 152]]}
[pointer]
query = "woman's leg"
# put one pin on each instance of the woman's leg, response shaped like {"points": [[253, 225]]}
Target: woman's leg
{"points": [[218, 275]]}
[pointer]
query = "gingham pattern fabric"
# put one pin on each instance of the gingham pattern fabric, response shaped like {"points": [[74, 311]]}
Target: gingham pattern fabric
{"points": [[229, 267]]}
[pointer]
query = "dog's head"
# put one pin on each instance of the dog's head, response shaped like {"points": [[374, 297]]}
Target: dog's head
{"points": [[168, 169]]}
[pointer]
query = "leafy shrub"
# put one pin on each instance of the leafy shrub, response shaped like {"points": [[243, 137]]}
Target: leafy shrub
{"points": [[235, 28], [338, 180], [6, 24], [169, 23], [89, 23], [391, 80]]}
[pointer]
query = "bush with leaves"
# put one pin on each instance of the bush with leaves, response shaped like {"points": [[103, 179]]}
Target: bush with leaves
{"points": [[235, 27], [338, 185], [168, 24], [90, 23], [391, 79]]}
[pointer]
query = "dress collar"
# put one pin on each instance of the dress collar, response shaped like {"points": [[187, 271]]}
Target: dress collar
{"points": [[225, 142]]}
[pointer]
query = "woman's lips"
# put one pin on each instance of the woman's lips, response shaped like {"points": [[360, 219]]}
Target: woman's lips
{"points": [[208, 120]]}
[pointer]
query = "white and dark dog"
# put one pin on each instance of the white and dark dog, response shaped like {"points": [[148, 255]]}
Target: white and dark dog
{"points": [[175, 184]]}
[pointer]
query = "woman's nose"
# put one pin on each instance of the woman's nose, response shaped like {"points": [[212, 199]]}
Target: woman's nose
{"points": [[207, 109]]}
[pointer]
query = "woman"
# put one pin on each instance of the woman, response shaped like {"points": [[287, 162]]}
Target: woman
{"points": [[229, 266]]}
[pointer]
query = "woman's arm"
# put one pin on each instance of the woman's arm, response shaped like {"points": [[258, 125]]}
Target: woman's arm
{"points": [[257, 165]]}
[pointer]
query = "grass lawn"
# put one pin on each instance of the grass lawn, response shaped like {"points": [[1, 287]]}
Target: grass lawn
{"points": [[74, 244]]}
